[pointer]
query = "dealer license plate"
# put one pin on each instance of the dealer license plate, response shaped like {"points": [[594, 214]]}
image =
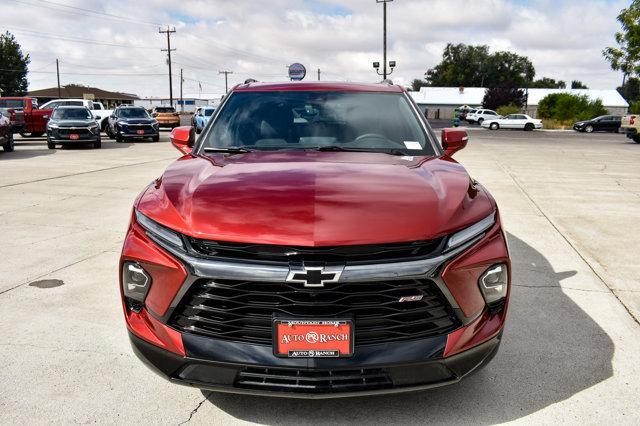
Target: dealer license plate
{"points": [[140, 132], [74, 137], [312, 338]]}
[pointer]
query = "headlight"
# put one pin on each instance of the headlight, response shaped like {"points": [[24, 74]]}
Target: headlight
{"points": [[493, 285], [156, 230], [135, 285], [471, 232], [94, 129], [53, 126]]}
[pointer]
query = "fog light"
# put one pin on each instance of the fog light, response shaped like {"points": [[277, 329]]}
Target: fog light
{"points": [[494, 283], [135, 284]]}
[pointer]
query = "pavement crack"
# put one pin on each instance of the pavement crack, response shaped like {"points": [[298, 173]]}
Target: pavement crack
{"points": [[568, 241], [54, 271], [195, 410], [562, 288], [86, 172]]}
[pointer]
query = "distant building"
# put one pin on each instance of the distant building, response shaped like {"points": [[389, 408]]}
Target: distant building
{"points": [[189, 103], [439, 102], [75, 91]]}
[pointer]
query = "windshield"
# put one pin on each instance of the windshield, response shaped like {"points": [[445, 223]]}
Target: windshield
{"points": [[208, 112], [381, 122], [71, 114], [133, 113]]}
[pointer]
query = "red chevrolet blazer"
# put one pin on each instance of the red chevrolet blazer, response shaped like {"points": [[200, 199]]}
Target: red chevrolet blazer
{"points": [[316, 240]]}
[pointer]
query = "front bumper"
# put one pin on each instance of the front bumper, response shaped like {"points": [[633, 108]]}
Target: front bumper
{"points": [[249, 369], [169, 124], [132, 133], [56, 137]]}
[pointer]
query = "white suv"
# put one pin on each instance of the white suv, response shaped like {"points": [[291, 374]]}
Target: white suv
{"points": [[480, 115]]}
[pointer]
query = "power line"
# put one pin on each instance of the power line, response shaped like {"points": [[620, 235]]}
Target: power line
{"points": [[60, 8], [76, 40], [88, 73]]}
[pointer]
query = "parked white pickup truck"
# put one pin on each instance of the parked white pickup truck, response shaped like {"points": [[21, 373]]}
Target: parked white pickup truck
{"points": [[97, 109], [630, 124]]}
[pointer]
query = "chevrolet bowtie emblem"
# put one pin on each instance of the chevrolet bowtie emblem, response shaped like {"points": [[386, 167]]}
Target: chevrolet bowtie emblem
{"points": [[314, 276]]}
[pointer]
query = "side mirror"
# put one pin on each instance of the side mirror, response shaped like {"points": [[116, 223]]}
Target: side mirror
{"points": [[453, 140], [183, 138]]}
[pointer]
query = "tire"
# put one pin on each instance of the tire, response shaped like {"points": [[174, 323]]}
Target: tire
{"points": [[119, 138], [98, 144], [156, 138], [9, 145], [104, 125], [494, 126], [529, 127], [50, 144], [636, 138], [110, 133], [480, 120], [589, 129]]}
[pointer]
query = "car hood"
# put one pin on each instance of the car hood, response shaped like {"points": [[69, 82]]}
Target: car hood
{"points": [[315, 199]]}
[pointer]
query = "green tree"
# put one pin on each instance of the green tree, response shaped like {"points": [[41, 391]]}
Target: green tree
{"points": [[461, 65], [416, 84], [497, 97], [577, 84], [547, 83], [565, 106], [625, 56], [507, 68], [630, 90], [508, 109], [13, 76], [474, 66]]}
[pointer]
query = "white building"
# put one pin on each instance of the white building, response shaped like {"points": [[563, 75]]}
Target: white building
{"points": [[439, 102], [191, 101]]}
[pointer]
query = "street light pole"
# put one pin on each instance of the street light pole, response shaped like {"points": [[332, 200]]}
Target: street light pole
{"points": [[384, 42]]}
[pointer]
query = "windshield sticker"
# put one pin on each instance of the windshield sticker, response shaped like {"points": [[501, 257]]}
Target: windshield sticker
{"points": [[412, 145]]}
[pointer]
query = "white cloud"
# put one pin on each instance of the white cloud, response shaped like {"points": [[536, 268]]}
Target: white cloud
{"points": [[258, 38]]}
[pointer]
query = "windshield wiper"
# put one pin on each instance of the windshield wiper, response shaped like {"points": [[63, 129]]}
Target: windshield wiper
{"points": [[229, 149], [337, 148]]}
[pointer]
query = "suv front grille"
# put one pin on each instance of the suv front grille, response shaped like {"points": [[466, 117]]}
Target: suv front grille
{"points": [[265, 252], [243, 310], [317, 381]]}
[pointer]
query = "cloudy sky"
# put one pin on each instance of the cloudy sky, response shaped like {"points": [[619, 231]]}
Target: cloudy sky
{"points": [[115, 44]]}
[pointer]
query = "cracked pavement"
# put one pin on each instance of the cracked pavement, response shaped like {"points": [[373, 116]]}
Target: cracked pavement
{"points": [[571, 350]]}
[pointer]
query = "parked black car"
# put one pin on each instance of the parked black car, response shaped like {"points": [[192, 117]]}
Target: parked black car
{"points": [[604, 123], [72, 124], [130, 122]]}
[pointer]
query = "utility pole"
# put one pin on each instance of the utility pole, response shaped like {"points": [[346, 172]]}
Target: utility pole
{"points": [[181, 100], [318, 74], [168, 32], [226, 79], [58, 74]]}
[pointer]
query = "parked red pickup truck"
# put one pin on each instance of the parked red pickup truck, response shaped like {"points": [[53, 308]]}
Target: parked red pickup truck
{"points": [[25, 116]]}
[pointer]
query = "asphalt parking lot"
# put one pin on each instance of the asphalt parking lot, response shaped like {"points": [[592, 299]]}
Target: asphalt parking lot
{"points": [[571, 349]]}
